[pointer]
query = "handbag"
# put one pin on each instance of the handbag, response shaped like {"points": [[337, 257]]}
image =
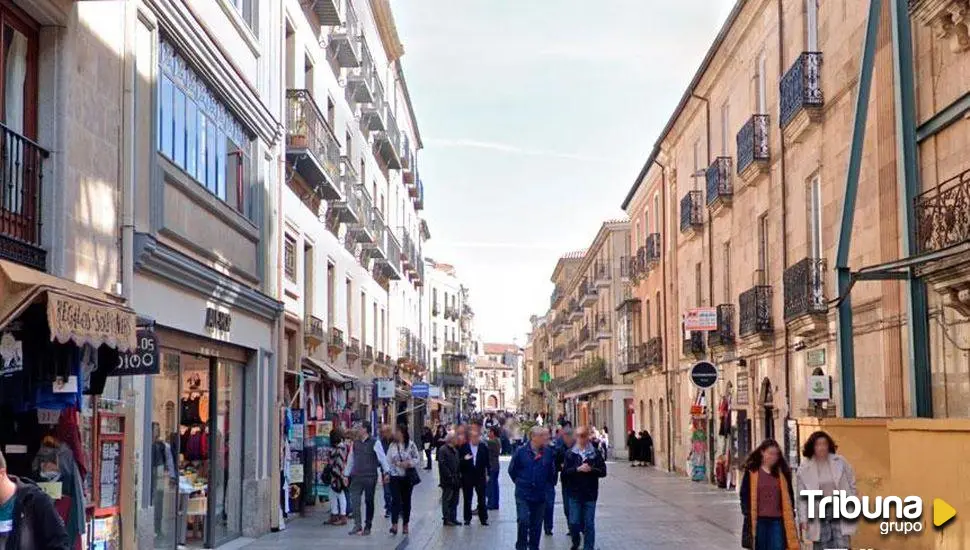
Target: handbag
{"points": [[411, 474]]}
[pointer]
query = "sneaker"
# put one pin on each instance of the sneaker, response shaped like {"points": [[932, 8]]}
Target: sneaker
{"points": [[355, 531]]}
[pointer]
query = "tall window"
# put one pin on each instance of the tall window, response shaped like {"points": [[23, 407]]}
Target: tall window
{"points": [[377, 345], [811, 25], [815, 217], [199, 134], [763, 249], [289, 258], [656, 212], [331, 293], [646, 224], [647, 310], [350, 307], [698, 160], [19, 183], [363, 318], [762, 83], [249, 11], [307, 278], [725, 129], [698, 284], [657, 304], [727, 272]]}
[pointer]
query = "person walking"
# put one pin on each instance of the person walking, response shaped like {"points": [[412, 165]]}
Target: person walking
{"points": [[583, 467], [824, 470], [533, 470], [363, 462], [427, 443], [28, 520], [605, 442], [474, 474], [494, 445], [404, 458], [563, 443], [449, 478], [339, 483], [767, 501], [387, 437], [646, 449]]}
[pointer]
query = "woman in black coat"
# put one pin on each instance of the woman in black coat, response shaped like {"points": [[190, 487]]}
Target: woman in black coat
{"points": [[633, 447], [646, 448]]}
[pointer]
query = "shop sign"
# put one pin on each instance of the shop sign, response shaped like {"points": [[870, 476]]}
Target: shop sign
{"points": [[143, 360], [700, 319], [815, 357], [742, 391], [88, 323], [703, 374], [420, 390], [11, 354], [348, 385], [385, 388], [218, 321], [819, 388]]}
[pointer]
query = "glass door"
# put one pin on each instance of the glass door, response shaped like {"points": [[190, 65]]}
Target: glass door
{"points": [[227, 444]]}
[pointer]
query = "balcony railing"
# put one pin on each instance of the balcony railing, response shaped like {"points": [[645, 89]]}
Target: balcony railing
{"points": [[633, 359], [601, 273], [21, 186], [691, 216], [313, 330], [753, 142], [626, 263], [387, 142], [694, 344], [362, 80], [603, 326], [943, 214], [654, 352], [801, 87], [368, 355], [723, 336], [652, 251], [311, 145], [588, 292], [336, 339], [805, 288], [720, 187], [755, 305], [345, 38], [590, 376], [588, 338], [353, 350]]}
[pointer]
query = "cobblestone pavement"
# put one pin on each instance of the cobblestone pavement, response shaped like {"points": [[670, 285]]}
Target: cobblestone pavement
{"points": [[642, 506]]}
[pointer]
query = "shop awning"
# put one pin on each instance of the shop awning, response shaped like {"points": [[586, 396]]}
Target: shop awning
{"points": [[328, 371], [75, 312], [441, 402]]}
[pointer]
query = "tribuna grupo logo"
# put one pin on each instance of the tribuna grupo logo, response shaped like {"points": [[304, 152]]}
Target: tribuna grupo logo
{"points": [[895, 514]]}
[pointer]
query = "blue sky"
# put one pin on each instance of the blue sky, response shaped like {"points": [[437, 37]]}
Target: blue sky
{"points": [[537, 116]]}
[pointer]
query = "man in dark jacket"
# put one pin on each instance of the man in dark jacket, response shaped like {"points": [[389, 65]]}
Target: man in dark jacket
{"points": [[561, 446], [494, 451], [474, 474], [449, 478], [533, 470], [28, 520], [582, 469]]}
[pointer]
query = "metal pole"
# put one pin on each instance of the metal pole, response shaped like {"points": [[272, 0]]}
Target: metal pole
{"points": [[845, 339], [921, 402]]}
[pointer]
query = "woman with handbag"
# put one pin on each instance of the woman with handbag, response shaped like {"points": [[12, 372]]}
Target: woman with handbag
{"points": [[404, 458], [338, 483]]}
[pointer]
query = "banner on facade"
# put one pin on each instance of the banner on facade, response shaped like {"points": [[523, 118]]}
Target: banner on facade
{"points": [[86, 322], [700, 319]]}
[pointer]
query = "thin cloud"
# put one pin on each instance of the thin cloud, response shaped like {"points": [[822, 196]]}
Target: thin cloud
{"points": [[514, 150]]}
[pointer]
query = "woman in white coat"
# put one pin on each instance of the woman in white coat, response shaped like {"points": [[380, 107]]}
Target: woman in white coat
{"points": [[824, 470]]}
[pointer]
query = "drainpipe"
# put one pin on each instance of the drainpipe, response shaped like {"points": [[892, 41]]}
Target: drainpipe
{"points": [[663, 318], [784, 218]]}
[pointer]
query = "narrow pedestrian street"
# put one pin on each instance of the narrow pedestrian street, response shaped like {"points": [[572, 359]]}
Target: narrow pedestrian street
{"points": [[646, 507]]}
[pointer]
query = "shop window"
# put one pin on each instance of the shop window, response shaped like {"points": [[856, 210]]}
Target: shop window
{"points": [[197, 133]]}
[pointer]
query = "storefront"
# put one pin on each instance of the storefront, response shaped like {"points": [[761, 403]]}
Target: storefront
{"points": [[61, 344]]}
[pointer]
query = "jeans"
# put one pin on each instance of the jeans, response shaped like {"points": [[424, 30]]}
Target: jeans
{"points": [[528, 515], [770, 534], [582, 516], [363, 486], [388, 498], [491, 490], [449, 503], [478, 487], [831, 536], [550, 507], [401, 490], [565, 502], [338, 503], [427, 455]]}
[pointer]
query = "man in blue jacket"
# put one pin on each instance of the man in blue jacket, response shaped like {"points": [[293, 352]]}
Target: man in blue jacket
{"points": [[560, 446], [533, 470], [582, 469]]}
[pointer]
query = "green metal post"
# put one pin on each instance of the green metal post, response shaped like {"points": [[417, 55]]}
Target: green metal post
{"points": [[845, 339], [908, 177]]}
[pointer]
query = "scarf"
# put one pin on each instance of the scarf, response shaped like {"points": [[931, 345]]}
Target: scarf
{"points": [[787, 512]]}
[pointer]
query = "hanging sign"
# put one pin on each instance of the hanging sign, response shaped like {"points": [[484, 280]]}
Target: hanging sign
{"points": [[742, 392], [703, 374], [85, 322], [700, 319], [143, 360]]}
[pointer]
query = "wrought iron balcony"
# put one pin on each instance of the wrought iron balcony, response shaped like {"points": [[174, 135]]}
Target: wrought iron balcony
{"points": [[638, 263], [654, 352], [691, 215], [557, 294], [633, 359], [603, 330], [602, 273], [652, 251], [346, 208], [575, 310], [446, 379], [373, 115], [419, 195], [753, 143], [365, 230], [723, 336], [390, 264], [311, 148], [943, 214], [801, 87], [588, 293], [587, 339], [387, 142], [362, 80], [345, 36], [557, 355], [694, 344], [336, 339], [720, 187], [755, 305], [21, 188], [376, 249], [368, 357], [574, 348], [626, 264], [805, 288], [353, 350], [313, 330]]}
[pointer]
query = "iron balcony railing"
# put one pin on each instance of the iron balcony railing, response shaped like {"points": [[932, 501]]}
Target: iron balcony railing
{"points": [[588, 292], [691, 215], [633, 357], [336, 338], [720, 186], [554, 298], [943, 214], [694, 344], [21, 188], [308, 129], [353, 350], [654, 352], [362, 80], [345, 38], [601, 272], [755, 305], [368, 355], [638, 263], [805, 288], [602, 326], [419, 198], [723, 335], [652, 250], [753, 142], [313, 329], [801, 87], [625, 265]]}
